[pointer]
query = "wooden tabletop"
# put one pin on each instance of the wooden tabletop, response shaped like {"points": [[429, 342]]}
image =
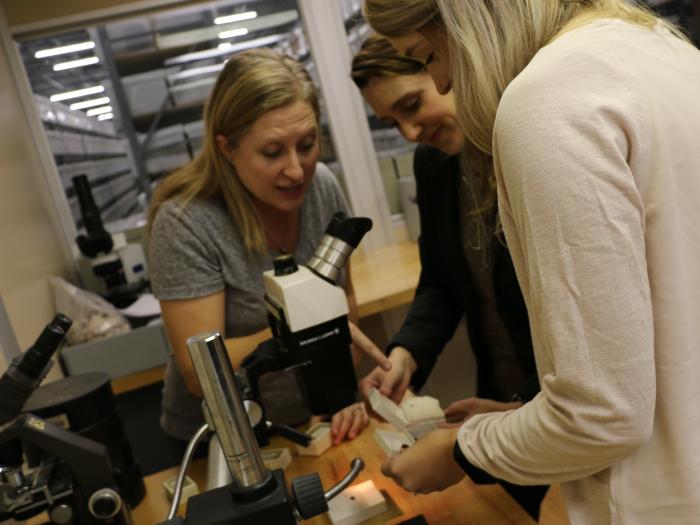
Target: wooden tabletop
{"points": [[386, 277], [461, 504]]}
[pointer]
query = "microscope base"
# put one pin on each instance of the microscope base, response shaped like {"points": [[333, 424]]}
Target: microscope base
{"points": [[220, 507]]}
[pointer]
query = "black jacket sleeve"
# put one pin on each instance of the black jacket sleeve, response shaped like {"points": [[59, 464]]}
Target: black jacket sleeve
{"points": [[436, 309], [529, 387]]}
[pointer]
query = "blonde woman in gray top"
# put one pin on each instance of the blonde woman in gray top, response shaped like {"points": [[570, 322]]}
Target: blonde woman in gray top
{"points": [[591, 111], [256, 190]]}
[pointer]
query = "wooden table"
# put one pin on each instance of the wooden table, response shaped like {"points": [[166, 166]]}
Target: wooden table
{"points": [[386, 277], [464, 503], [383, 278]]}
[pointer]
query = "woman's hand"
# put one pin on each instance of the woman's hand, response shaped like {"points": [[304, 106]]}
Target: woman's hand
{"points": [[365, 345], [428, 465], [349, 422], [460, 411], [394, 381]]}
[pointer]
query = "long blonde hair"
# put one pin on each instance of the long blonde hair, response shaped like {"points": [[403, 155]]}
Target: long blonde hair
{"points": [[491, 42], [394, 18], [251, 84], [377, 58]]}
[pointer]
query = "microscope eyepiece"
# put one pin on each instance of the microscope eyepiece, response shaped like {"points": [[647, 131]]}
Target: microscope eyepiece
{"points": [[350, 230], [342, 236], [62, 321], [284, 265], [35, 359], [97, 240]]}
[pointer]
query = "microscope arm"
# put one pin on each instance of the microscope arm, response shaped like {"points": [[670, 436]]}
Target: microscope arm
{"points": [[355, 468], [256, 495], [189, 452], [87, 459]]}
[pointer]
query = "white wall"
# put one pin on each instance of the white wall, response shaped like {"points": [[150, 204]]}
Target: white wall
{"points": [[30, 250]]}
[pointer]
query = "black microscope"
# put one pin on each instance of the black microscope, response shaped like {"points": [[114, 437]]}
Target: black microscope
{"points": [[308, 316], [110, 255], [44, 467]]}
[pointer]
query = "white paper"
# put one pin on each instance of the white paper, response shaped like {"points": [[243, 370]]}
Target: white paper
{"points": [[145, 306]]}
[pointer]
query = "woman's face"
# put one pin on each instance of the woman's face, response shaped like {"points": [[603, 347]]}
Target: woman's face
{"points": [[276, 159], [412, 104], [429, 46]]}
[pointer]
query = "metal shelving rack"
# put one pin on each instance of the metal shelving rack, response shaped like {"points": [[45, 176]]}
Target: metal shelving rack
{"points": [[160, 129], [163, 85], [81, 144]]}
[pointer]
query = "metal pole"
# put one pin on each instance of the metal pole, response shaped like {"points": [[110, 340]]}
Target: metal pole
{"points": [[123, 107], [225, 409]]}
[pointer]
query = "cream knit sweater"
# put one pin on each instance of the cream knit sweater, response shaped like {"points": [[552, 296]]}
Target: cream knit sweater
{"points": [[597, 155]]}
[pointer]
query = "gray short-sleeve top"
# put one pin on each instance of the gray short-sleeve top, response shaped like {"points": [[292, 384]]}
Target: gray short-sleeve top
{"points": [[196, 251]]}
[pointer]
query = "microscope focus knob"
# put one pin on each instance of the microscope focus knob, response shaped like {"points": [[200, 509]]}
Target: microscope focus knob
{"points": [[61, 515], [284, 265], [104, 504], [309, 495]]}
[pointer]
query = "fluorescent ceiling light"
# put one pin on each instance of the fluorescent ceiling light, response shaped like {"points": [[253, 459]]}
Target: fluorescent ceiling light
{"points": [[205, 34], [77, 93], [238, 17], [233, 32], [225, 48], [76, 63], [98, 111], [82, 46], [90, 103], [105, 116]]}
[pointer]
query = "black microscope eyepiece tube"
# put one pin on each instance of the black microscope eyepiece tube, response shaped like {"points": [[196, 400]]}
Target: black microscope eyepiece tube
{"points": [[350, 230], [342, 236], [35, 359], [62, 321], [88, 209], [28, 369], [353, 229]]}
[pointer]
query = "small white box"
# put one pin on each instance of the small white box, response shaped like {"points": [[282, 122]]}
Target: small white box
{"points": [[320, 440], [189, 488], [356, 504], [392, 442], [275, 458], [416, 415]]}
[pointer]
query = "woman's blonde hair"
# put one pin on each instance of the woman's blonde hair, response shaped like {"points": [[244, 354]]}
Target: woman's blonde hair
{"points": [[394, 18], [377, 58], [491, 42], [251, 84]]}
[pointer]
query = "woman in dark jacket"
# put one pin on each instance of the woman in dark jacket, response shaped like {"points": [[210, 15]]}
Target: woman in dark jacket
{"points": [[466, 270]]}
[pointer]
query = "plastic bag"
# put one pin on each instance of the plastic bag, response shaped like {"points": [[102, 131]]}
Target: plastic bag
{"points": [[93, 317]]}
